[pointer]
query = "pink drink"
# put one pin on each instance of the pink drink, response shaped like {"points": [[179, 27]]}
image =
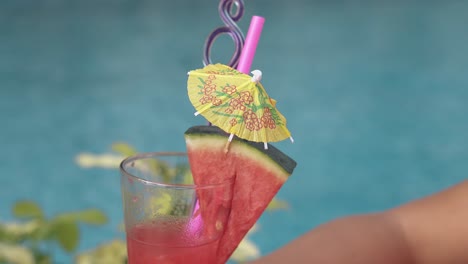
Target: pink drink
{"points": [[165, 220], [155, 243]]}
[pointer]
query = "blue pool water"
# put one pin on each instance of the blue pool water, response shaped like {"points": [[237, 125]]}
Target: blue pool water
{"points": [[375, 95]]}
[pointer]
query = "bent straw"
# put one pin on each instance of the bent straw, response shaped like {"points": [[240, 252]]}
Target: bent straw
{"points": [[250, 45]]}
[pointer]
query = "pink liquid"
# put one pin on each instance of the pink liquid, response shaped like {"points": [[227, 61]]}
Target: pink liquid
{"points": [[154, 244]]}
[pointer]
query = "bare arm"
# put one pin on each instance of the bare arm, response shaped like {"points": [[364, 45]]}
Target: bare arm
{"points": [[360, 239], [431, 230], [436, 227]]}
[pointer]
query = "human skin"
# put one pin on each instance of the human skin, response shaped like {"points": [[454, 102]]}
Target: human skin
{"points": [[430, 230]]}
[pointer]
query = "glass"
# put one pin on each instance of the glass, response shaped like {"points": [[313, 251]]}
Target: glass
{"points": [[168, 218]]}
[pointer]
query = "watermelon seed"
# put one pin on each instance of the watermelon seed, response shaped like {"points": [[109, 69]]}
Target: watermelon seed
{"points": [[219, 225]]}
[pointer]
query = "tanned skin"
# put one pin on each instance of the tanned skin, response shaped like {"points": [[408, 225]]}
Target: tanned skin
{"points": [[431, 230]]}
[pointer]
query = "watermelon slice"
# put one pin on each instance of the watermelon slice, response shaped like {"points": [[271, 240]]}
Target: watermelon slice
{"points": [[258, 174]]}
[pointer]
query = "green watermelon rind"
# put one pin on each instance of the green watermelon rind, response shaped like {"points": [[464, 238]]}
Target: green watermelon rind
{"points": [[283, 161]]}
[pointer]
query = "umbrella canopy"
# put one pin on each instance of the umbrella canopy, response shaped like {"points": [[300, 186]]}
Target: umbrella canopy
{"points": [[237, 103]]}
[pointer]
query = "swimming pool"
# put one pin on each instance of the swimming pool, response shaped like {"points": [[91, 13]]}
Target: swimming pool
{"points": [[375, 95]]}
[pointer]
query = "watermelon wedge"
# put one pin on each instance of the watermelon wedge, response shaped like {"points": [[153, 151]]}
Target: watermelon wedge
{"points": [[258, 174]]}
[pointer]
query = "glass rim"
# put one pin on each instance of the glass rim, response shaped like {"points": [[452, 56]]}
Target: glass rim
{"points": [[148, 155]]}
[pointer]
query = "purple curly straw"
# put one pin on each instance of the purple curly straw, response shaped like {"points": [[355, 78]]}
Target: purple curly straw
{"points": [[225, 9]]}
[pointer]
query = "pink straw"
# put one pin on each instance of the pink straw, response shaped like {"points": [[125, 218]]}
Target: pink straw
{"points": [[250, 45]]}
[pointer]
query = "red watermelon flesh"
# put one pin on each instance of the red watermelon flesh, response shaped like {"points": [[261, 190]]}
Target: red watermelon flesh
{"points": [[258, 175]]}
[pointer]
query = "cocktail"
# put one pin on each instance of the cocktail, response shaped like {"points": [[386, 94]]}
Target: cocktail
{"points": [[163, 218], [196, 208]]}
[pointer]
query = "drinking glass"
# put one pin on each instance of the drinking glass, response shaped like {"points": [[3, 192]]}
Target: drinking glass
{"points": [[168, 218]]}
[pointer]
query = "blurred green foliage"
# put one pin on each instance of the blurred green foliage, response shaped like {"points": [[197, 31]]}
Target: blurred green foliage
{"points": [[31, 236]]}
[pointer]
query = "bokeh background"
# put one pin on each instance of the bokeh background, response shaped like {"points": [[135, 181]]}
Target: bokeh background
{"points": [[375, 93]]}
